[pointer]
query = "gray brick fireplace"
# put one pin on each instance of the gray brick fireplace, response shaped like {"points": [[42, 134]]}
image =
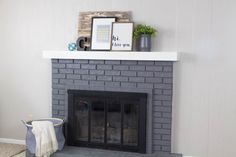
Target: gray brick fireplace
{"points": [[152, 77]]}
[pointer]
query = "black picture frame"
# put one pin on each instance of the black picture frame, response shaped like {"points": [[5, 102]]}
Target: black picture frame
{"points": [[101, 33]]}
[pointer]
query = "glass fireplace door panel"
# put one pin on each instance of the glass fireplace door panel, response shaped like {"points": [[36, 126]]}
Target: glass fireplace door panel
{"points": [[130, 124], [113, 122], [81, 119], [97, 121]]}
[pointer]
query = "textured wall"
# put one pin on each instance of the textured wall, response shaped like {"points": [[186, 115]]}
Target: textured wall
{"points": [[97, 74]]}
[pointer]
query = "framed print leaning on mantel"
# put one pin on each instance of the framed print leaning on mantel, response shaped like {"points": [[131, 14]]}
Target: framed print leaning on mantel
{"points": [[122, 36], [101, 33]]}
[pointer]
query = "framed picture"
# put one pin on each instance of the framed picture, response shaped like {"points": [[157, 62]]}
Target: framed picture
{"points": [[101, 33], [122, 36]]}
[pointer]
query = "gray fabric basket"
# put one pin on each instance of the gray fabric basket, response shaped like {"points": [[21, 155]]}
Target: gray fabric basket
{"points": [[30, 138]]}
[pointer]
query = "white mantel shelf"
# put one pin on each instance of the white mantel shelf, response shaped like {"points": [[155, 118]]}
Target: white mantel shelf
{"points": [[112, 55]]}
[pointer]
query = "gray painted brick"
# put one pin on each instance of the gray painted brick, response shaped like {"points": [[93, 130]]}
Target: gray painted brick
{"points": [[61, 113], [166, 126], [104, 67], [66, 71], [154, 68], [61, 102], [136, 79], [146, 62], [65, 61], [162, 109], [167, 68], [168, 149], [112, 84], [157, 114], [167, 92], [166, 137], [128, 73], [157, 136], [120, 78], [167, 80], [81, 82], [58, 86], [163, 86], [88, 77], [112, 62], [157, 126], [73, 66], [163, 74], [157, 103], [145, 74], [55, 91], [163, 63], [144, 85], [88, 66], [55, 112], [161, 120], [62, 92], [162, 105], [166, 115], [77, 61], [96, 83], [58, 97], [58, 107], [57, 65], [80, 71], [55, 81], [54, 76], [137, 67], [153, 80], [156, 148], [129, 62], [55, 102], [96, 61], [54, 60], [55, 71], [157, 91], [113, 72], [162, 131], [167, 103], [104, 78], [162, 97], [161, 142], [128, 85], [120, 67], [73, 76], [66, 81], [96, 72]]}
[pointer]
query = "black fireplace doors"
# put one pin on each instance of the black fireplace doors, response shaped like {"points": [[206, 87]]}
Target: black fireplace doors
{"points": [[108, 120]]}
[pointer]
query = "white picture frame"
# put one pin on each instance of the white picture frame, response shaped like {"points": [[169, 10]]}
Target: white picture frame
{"points": [[122, 36], [101, 33]]}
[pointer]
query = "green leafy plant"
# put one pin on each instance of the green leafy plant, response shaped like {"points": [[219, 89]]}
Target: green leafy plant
{"points": [[144, 29]]}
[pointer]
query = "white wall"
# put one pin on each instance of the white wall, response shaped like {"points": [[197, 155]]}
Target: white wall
{"points": [[205, 91]]}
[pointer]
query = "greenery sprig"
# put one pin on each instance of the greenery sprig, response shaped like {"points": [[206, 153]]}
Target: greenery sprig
{"points": [[144, 29]]}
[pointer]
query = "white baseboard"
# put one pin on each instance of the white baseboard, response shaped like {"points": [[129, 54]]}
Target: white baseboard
{"points": [[13, 141]]}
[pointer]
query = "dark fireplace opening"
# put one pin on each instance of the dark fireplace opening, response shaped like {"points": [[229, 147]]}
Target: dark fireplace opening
{"points": [[108, 120]]}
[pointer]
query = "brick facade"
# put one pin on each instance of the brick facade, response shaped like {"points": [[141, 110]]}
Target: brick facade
{"points": [[154, 76]]}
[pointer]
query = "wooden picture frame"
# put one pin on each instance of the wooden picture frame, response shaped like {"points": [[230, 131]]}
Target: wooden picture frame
{"points": [[101, 33], [122, 36]]}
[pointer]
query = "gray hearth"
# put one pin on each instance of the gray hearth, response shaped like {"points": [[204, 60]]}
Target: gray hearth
{"points": [[152, 77]]}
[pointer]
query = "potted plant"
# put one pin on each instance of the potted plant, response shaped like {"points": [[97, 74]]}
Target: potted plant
{"points": [[143, 34]]}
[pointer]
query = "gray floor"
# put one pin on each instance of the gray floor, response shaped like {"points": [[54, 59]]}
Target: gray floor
{"points": [[88, 152]]}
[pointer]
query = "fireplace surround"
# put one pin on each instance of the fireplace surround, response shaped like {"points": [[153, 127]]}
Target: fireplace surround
{"points": [[151, 77]]}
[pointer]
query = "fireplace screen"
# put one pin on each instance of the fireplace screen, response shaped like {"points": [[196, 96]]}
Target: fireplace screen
{"points": [[109, 120]]}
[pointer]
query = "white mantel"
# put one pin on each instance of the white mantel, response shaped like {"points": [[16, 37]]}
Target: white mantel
{"points": [[112, 55]]}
